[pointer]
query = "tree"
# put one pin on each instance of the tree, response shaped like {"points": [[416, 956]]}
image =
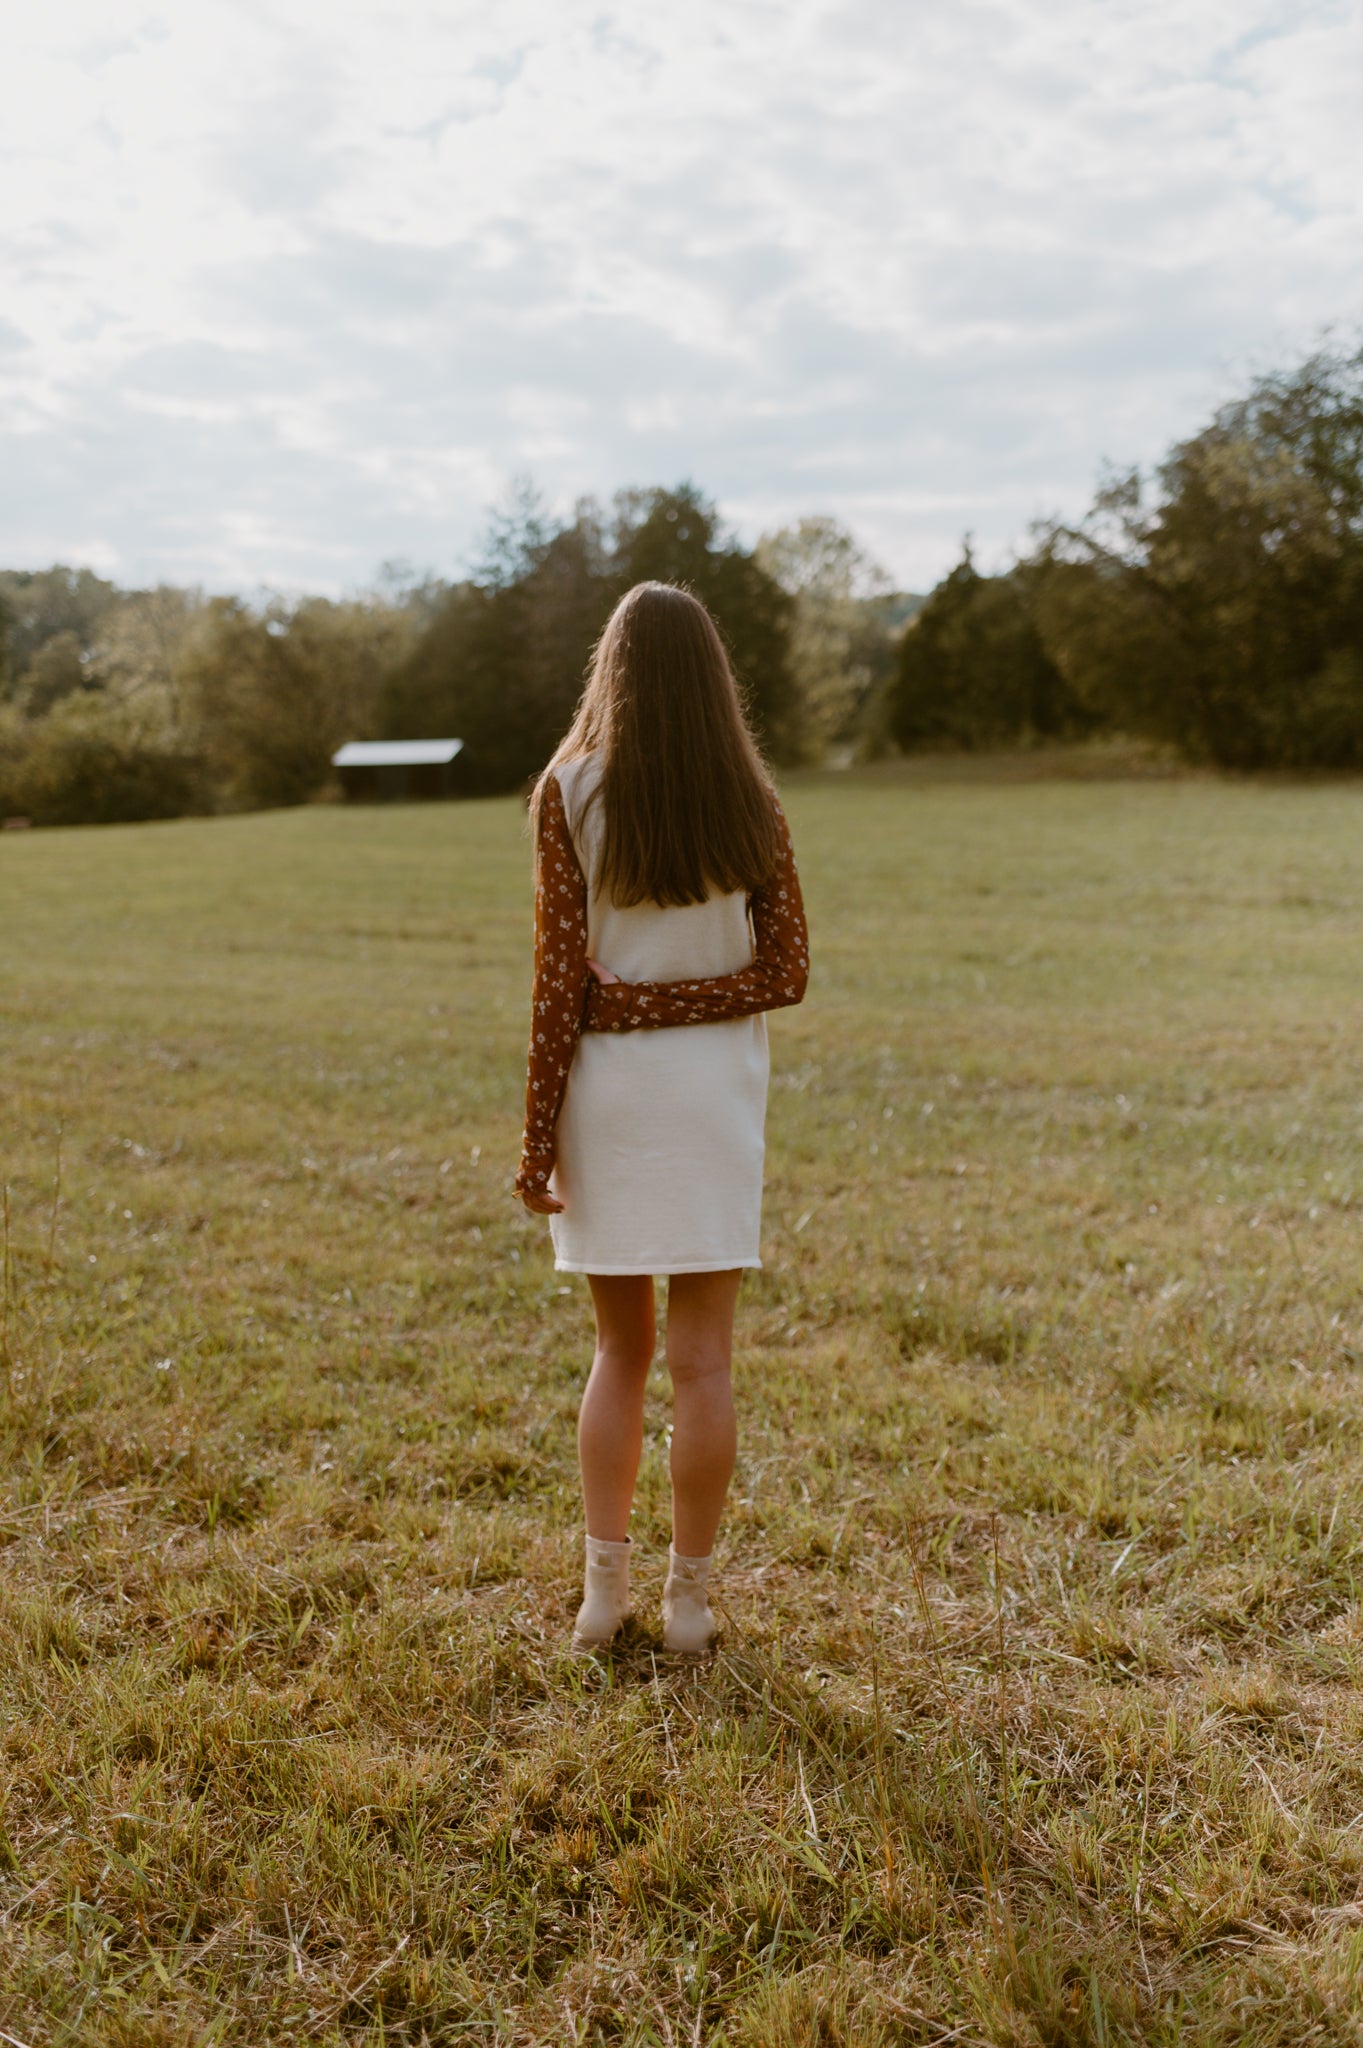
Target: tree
{"points": [[843, 632], [973, 671], [502, 664], [36, 605], [58, 668], [274, 694], [1221, 608], [140, 656], [675, 537]]}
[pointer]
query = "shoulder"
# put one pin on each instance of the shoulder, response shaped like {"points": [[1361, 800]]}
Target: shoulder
{"points": [[578, 780], [553, 839], [546, 807], [557, 850], [577, 775]]}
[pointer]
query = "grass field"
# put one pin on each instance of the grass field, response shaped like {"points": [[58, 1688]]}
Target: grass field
{"points": [[1038, 1715]]}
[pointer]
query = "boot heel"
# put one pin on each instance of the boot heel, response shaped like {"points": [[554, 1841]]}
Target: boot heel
{"points": [[605, 1604], [689, 1625]]}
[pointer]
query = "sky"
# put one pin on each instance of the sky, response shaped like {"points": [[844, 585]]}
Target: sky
{"points": [[291, 289]]}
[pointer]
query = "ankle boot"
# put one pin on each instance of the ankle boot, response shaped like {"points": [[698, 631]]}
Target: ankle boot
{"points": [[606, 1600], [688, 1624]]}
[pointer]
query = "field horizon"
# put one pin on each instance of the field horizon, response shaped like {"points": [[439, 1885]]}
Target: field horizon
{"points": [[1036, 1718]]}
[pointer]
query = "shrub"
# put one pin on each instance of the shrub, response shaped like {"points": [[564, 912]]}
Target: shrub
{"points": [[81, 766]]}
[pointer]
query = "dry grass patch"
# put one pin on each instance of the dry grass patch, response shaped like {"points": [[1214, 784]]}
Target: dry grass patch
{"points": [[1037, 1718]]}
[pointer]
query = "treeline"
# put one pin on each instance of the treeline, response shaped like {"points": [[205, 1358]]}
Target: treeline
{"points": [[120, 704], [1216, 607]]}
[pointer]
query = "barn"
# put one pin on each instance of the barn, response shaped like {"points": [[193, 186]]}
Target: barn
{"points": [[398, 771]]}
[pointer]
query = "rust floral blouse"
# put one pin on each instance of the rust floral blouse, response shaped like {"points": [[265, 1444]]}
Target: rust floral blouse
{"points": [[568, 999]]}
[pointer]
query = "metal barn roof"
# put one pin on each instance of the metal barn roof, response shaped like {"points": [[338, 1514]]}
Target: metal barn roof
{"points": [[395, 753]]}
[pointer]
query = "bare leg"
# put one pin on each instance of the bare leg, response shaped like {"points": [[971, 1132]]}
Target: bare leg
{"points": [[700, 1336], [610, 1424]]}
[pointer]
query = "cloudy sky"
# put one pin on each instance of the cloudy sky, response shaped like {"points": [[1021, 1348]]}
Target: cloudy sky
{"points": [[291, 287]]}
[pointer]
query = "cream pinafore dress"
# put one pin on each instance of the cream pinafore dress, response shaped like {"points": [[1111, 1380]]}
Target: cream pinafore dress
{"points": [[659, 1141]]}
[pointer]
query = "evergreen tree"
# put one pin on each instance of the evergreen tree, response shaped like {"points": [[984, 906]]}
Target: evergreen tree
{"points": [[973, 671], [675, 537], [503, 662]]}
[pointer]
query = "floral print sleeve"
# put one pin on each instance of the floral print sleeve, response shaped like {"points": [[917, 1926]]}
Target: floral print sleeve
{"points": [[560, 987], [775, 980]]}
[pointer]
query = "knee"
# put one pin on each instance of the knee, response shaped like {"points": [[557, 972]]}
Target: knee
{"points": [[699, 1365], [629, 1356]]}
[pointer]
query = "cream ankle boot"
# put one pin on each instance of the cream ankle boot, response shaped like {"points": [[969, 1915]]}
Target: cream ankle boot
{"points": [[606, 1601], [688, 1624]]}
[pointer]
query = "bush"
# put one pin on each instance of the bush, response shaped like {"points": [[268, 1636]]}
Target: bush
{"points": [[78, 766]]}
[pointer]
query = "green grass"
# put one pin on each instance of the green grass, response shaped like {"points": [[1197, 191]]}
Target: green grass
{"points": [[1037, 1718]]}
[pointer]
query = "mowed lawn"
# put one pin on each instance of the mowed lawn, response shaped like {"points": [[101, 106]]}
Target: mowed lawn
{"points": [[1037, 1717]]}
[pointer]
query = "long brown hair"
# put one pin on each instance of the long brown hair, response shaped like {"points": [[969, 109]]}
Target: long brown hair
{"points": [[685, 798]]}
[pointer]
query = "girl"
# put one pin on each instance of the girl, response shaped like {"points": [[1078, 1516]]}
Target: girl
{"points": [[667, 920]]}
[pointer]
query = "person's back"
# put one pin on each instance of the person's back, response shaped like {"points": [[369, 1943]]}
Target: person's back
{"points": [[649, 941], [668, 920], [688, 1105]]}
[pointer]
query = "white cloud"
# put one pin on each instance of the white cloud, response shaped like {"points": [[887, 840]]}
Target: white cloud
{"points": [[287, 290]]}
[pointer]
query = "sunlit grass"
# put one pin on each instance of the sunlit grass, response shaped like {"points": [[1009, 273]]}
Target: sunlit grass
{"points": [[1038, 1713]]}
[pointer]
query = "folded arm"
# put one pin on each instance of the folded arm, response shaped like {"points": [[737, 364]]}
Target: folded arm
{"points": [[560, 987], [775, 980]]}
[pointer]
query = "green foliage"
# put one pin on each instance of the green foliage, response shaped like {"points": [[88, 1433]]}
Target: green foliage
{"points": [[1224, 612], [844, 634], [1217, 608], [675, 537], [140, 658], [82, 765], [95, 730], [275, 693], [58, 669], [973, 671], [258, 699], [502, 664], [38, 605]]}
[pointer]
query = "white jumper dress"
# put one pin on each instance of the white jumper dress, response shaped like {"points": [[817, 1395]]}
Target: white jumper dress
{"points": [[660, 1134]]}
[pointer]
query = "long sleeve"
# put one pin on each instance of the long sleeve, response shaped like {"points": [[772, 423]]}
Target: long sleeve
{"points": [[560, 987], [775, 980]]}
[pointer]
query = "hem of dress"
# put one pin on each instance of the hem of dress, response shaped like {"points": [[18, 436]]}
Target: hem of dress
{"points": [[663, 1270]]}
